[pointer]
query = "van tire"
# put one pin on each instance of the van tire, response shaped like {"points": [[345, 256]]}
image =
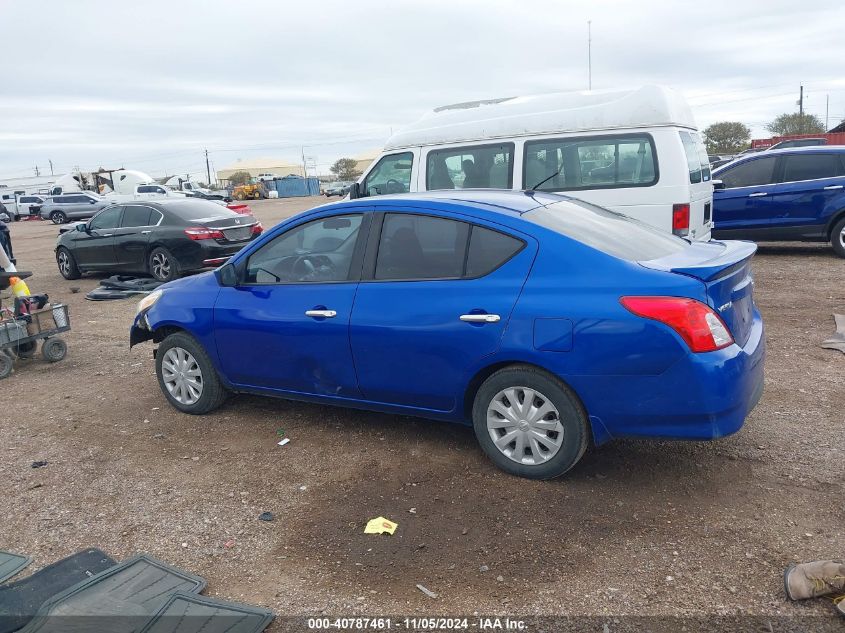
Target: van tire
{"points": [[837, 238]]}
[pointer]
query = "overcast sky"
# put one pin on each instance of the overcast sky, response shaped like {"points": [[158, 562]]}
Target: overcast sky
{"points": [[148, 85]]}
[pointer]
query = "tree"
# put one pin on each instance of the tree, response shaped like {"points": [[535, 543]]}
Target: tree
{"points": [[240, 178], [344, 169], [788, 124], [727, 137]]}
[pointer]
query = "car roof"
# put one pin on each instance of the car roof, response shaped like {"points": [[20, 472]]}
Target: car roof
{"points": [[500, 201], [809, 149]]}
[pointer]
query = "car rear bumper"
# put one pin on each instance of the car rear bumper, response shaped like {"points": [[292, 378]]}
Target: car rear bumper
{"points": [[701, 397], [206, 254]]}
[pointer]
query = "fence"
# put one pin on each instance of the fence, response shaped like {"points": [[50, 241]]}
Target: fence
{"points": [[291, 187]]}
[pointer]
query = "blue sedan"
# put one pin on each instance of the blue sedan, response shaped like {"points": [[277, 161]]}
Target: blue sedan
{"points": [[545, 322]]}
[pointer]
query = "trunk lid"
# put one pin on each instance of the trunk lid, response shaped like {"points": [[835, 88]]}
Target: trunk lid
{"points": [[235, 227], [725, 270]]}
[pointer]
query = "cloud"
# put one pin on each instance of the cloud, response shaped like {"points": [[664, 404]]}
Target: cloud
{"points": [[152, 84]]}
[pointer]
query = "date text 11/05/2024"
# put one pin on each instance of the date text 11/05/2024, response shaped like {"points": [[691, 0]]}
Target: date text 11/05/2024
{"points": [[417, 624]]}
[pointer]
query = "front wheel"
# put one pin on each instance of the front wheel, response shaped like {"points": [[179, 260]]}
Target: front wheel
{"points": [[67, 264], [58, 217], [163, 266], [837, 238], [186, 376], [529, 423]]}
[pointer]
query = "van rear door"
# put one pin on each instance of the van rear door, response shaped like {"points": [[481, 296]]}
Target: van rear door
{"points": [[700, 209]]}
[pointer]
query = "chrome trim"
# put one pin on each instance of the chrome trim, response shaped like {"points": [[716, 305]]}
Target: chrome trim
{"points": [[480, 318], [325, 314]]}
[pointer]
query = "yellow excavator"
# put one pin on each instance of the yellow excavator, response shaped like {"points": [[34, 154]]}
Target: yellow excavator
{"points": [[253, 190]]}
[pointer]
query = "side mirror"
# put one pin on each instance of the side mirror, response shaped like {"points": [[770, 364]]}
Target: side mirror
{"points": [[227, 276], [718, 185], [82, 228], [91, 201], [354, 191]]}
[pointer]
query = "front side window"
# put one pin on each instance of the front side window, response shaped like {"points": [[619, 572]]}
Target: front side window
{"points": [[392, 174], [421, 247], [317, 251], [752, 173], [590, 163], [106, 219], [135, 215], [487, 166], [811, 167]]}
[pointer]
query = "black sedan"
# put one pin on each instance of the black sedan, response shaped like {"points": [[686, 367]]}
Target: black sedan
{"points": [[163, 238]]}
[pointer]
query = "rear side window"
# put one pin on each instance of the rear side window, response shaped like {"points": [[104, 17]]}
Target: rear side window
{"points": [[488, 250], [811, 167], [759, 171], [421, 247], [484, 166], [392, 174], [135, 216], [597, 162], [606, 231]]}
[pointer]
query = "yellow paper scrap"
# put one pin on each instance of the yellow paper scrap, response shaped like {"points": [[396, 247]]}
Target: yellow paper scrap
{"points": [[380, 525]]}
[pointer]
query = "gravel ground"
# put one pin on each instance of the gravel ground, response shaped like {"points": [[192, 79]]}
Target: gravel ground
{"points": [[639, 527]]}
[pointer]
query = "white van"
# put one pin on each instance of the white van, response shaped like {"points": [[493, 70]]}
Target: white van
{"points": [[637, 152]]}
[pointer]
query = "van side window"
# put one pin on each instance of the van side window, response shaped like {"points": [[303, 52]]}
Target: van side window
{"points": [[595, 162], [484, 166], [697, 159], [392, 174]]}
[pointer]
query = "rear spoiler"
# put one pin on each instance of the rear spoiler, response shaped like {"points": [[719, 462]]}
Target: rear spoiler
{"points": [[704, 261]]}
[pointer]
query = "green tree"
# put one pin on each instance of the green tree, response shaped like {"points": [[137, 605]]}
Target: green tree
{"points": [[344, 169], [726, 137], [240, 178], [788, 124]]}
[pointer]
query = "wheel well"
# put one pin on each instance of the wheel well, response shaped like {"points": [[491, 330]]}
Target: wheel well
{"points": [[486, 372], [836, 218], [166, 330]]}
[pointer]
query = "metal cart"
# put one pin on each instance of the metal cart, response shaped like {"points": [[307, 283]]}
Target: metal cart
{"points": [[19, 336]]}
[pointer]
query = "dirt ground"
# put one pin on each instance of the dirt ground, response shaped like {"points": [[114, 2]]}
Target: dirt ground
{"points": [[639, 527]]}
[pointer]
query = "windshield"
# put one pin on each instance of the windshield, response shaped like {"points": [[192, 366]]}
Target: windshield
{"points": [[606, 231]]}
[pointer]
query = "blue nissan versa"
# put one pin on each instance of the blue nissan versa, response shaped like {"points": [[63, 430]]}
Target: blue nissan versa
{"points": [[543, 321]]}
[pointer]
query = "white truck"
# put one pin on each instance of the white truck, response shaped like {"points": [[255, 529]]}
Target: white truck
{"points": [[18, 204]]}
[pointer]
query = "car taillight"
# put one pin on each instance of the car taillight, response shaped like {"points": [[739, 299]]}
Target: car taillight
{"points": [[257, 228], [202, 233], [695, 322], [680, 219]]}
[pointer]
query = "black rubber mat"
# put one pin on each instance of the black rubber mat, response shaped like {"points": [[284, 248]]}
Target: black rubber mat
{"points": [[20, 601], [11, 564], [119, 600], [186, 613]]}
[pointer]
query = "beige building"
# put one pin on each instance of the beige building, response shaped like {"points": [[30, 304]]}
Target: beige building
{"points": [[365, 159], [256, 166]]}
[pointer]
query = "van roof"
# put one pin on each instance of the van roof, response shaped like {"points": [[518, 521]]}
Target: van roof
{"points": [[549, 113]]}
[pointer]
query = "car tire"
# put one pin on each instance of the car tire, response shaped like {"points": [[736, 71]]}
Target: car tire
{"points": [[53, 350], [552, 435], [67, 264], [162, 265], [837, 238], [180, 359], [58, 217]]}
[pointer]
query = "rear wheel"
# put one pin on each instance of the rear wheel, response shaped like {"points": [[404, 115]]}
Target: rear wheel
{"points": [[53, 350], [6, 364], [67, 264], [58, 217], [163, 266], [837, 238], [186, 376], [529, 423]]}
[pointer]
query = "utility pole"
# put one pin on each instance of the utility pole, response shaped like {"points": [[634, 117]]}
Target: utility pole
{"points": [[207, 169], [51, 168], [304, 168], [36, 171], [826, 112], [589, 54]]}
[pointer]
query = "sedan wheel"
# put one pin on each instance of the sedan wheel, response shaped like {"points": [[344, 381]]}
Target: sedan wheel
{"points": [[837, 238], [524, 425], [67, 264], [163, 266], [182, 376], [529, 422]]}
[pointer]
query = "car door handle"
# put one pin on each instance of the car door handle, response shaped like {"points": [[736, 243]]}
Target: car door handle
{"points": [[322, 314], [480, 318], [145, 232], [759, 194], [829, 187]]}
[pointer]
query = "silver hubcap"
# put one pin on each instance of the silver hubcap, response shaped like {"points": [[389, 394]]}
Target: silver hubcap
{"points": [[842, 238], [161, 265], [524, 425], [64, 263], [181, 375]]}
